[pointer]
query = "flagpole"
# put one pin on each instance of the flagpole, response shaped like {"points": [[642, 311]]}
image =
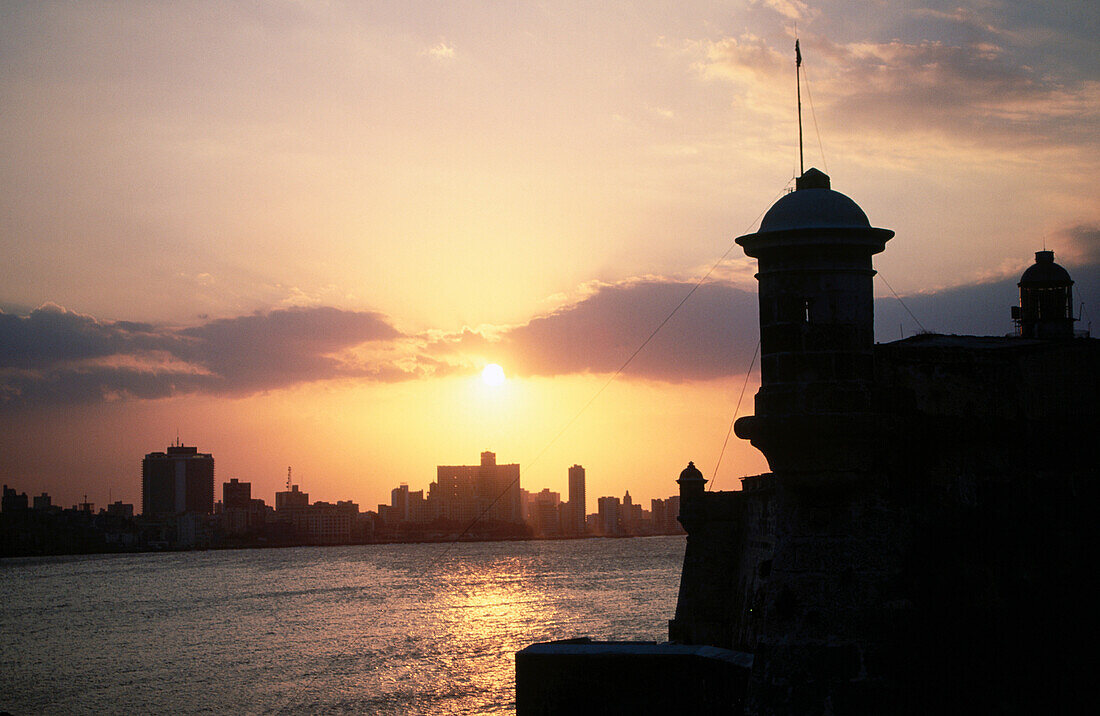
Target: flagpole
{"points": [[798, 90]]}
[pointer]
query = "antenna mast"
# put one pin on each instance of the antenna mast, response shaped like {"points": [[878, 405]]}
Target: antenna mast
{"points": [[288, 478], [798, 91]]}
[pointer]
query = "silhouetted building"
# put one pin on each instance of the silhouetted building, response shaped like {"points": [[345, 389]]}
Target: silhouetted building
{"points": [[326, 523], [177, 481], [543, 512], [609, 516], [291, 499], [631, 518], [1046, 300], [489, 491], [121, 510], [922, 524], [236, 495], [43, 503], [399, 503], [240, 514], [13, 501], [577, 508]]}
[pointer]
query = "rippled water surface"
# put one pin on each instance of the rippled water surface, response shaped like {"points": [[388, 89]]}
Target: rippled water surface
{"points": [[428, 628]]}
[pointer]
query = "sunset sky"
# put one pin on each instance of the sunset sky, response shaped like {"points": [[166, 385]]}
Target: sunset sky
{"points": [[295, 232]]}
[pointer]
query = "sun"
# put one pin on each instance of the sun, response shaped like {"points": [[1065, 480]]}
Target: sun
{"points": [[493, 375]]}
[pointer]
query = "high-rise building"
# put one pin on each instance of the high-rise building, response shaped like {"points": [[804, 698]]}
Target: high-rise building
{"points": [[13, 501], [177, 481], [487, 491], [239, 513], [609, 521], [576, 500], [399, 502], [236, 495], [542, 512], [292, 499]]}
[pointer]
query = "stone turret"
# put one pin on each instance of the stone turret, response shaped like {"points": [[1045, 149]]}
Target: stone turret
{"points": [[814, 249]]}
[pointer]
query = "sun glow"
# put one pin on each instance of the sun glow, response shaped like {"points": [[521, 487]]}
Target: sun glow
{"points": [[493, 375]]}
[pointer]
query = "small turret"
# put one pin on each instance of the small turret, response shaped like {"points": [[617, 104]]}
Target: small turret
{"points": [[692, 483]]}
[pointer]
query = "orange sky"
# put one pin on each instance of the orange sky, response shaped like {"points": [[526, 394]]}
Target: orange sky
{"points": [[295, 232]]}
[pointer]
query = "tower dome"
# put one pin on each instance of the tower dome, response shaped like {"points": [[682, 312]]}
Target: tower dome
{"points": [[691, 472], [692, 486], [1044, 273], [814, 205]]}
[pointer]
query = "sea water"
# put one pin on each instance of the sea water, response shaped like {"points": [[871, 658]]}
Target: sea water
{"points": [[425, 628]]}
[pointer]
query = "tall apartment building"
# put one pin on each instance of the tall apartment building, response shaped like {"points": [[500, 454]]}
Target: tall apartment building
{"points": [[576, 500], [179, 480], [236, 495], [489, 491]]}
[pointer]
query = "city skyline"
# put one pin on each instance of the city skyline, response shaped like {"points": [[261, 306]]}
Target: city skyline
{"points": [[178, 511], [297, 235]]}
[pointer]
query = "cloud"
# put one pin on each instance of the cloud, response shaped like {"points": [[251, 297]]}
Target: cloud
{"points": [[977, 92], [790, 9], [441, 51], [743, 59], [711, 335], [54, 355], [1082, 243]]}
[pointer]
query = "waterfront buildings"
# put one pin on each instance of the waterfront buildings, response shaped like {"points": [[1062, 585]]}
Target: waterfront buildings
{"points": [[176, 481]]}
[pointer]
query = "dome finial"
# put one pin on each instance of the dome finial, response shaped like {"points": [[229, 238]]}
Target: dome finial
{"points": [[813, 178]]}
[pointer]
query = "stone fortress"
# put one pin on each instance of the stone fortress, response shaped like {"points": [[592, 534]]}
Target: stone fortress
{"points": [[920, 543]]}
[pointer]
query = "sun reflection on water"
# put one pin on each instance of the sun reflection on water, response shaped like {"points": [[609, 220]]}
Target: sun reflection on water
{"points": [[386, 629]]}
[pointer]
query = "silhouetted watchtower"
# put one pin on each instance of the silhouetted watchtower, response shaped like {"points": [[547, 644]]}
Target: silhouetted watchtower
{"points": [[692, 492], [814, 250], [692, 483], [1046, 300]]}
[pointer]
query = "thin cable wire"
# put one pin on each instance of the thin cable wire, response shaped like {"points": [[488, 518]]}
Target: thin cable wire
{"points": [[813, 114], [736, 410], [923, 329]]}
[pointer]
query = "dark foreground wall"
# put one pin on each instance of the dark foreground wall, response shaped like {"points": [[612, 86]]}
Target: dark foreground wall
{"points": [[579, 676], [949, 573]]}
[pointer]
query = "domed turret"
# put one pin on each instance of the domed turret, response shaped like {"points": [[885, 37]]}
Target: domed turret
{"points": [[814, 205], [1046, 300], [691, 482], [814, 250]]}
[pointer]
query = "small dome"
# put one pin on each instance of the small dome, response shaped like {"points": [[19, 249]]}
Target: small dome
{"points": [[814, 205], [1044, 273], [691, 473]]}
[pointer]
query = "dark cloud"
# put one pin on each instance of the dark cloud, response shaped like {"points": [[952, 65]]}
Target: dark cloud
{"points": [[713, 334], [56, 356], [280, 348], [1083, 242]]}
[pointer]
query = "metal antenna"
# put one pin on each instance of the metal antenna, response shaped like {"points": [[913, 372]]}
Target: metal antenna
{"points": [[798, 90], [288, 478]]}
